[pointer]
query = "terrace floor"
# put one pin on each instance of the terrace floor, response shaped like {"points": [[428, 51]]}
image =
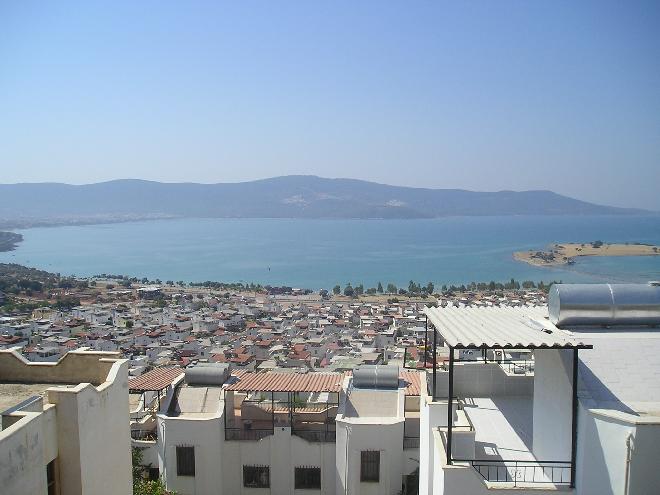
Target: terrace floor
{"points": [[503, 427], [12, 394]]}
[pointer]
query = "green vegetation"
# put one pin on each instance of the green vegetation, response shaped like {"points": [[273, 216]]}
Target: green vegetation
{"points": [[141, 484], [19, 282]]}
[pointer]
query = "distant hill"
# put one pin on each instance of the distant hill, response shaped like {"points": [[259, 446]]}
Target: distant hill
{"points": [[279, 197]]}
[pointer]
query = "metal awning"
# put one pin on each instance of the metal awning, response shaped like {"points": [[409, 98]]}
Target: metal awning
{"points": [[499, 328]]}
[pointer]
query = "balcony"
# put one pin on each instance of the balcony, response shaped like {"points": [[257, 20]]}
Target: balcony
{"points": [[494, 437], [254, 416], [145, 435]]}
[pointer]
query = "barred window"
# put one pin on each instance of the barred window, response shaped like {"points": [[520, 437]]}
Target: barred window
{"points": [[50, 478], [256, 476], [370, 465], [308, 477], [185, 461]]}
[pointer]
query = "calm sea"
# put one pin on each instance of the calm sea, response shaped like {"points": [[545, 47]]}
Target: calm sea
{"points": [[322, 253]]}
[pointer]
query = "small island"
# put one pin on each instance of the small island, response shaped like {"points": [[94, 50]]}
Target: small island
{"points": [[9, 241], [565, 253]]}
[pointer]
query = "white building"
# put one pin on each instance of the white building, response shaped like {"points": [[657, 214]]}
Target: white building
{"points": [[64, 425], [276, 432], [583, 417]]}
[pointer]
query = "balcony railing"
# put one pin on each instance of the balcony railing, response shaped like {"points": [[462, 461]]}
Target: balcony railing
{"points": [[410, 442], [247, 433], [316, 435], [523, 472], [145, 435]]}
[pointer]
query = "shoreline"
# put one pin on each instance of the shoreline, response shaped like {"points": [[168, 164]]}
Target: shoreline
{"points": [[9, 241], [561, 254]]}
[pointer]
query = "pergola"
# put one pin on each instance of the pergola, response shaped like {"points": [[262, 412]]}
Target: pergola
{"points": [[155, 380], [498, 328]]}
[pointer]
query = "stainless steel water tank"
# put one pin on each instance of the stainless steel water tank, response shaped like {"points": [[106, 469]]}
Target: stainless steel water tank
{"points": [[604, 304], [207, 374], [376, 376]]}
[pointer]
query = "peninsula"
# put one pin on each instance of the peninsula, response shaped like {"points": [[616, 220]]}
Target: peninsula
{"points": [[9, 240], [565, 253]]}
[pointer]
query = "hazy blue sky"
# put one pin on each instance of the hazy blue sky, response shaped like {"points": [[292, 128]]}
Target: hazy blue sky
{"points": [[561, 95]]}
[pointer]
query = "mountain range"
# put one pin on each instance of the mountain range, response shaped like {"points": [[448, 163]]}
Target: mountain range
{"points": [[30, 204]]}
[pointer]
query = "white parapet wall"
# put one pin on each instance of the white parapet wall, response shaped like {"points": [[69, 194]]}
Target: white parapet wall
{"points": [[83, 426]]}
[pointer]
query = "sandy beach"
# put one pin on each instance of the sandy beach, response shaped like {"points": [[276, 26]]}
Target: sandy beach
{"points": [[564, 254]]}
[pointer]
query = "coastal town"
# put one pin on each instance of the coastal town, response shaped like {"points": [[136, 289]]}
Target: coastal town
{"points": [[275, 328]]}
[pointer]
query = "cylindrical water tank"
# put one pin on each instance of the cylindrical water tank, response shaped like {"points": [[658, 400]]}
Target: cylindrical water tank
{"points": [[376, 376], [207, 374], [604, 304]]}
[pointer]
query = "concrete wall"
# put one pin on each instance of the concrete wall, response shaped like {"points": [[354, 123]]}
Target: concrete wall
{"points": [[205, 436], [602, 453], [463, 479], [553, 398], [219, 463], [432, 416], [352, 439], [283, 452], [93, 435], [79, 366], [480, 379], [85, 427], [25, 449]]}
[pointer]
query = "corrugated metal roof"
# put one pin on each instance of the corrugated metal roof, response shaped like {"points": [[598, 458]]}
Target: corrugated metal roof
{"points": [[154, 380], [499, 327]]}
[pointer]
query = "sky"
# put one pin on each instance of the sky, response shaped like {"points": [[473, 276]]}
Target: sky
{"points": [[478, 95]]}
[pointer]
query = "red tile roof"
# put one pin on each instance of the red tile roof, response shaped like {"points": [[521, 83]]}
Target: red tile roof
{"points": [[156, 379], [413, 380], [287, 382], [273, 381]]}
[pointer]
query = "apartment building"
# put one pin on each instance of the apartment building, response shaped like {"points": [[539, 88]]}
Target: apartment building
{"points": [[278, 432], [64, 425], [581, 416]]}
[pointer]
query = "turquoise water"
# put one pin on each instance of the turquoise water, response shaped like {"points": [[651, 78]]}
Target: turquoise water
{"points": [[322, 253]]}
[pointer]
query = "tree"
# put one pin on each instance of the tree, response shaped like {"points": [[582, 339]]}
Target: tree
{"points": [[380, 288], [142, 485], [359, 290], [336, 290], [348, 290], [391, 288], [429, 288], [323, 293]]}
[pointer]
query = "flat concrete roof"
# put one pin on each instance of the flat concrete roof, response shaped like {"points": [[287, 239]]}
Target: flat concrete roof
{"points": [[12, 394]]}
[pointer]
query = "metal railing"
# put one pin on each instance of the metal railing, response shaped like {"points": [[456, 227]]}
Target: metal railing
{"points": [[148, 435], [247, 433], [410, 442], [522, 472], [316, 435], [518, 367]]}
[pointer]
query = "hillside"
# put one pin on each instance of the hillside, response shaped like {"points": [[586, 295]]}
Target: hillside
{"points": [[280, 197]]}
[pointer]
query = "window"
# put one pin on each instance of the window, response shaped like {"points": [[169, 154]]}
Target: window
{"points": [[50, 478], [308, 477], [370, 465], [185, 461], [256, 476]]}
